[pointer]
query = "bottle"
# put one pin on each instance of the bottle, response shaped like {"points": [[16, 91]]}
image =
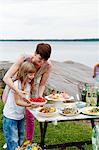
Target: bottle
{"points": [[86, 85], [97, 93], [97, 97], [88, 99], [83, 94], [94, 99]]}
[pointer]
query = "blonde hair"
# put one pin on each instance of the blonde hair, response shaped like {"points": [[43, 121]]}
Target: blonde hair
{"points": [[26, 68]]}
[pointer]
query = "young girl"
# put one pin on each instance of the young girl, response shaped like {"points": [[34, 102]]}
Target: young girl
{"points": [[13, 123]]}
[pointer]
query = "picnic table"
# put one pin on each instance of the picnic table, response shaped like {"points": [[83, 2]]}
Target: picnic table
{"points": [[43, 121]]}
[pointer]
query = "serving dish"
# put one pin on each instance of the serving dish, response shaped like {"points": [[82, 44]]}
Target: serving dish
{"points": [[90, 110], [80, 104], [59, 97], [47, 111], [38, 101], [69, 111]]}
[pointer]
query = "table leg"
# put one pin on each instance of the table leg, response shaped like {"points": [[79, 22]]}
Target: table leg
{"points": [[92, 123], [43, 128]]}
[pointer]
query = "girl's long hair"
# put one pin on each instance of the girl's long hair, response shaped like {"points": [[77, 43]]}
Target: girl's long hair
{"points": [[26, 68]]}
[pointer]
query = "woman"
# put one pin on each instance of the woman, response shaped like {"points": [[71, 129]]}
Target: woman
{"points": [[96, 72], [40, 60]]}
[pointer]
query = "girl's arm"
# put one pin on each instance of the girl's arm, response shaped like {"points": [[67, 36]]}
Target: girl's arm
{"points": [[44, 80], [10, 73]]}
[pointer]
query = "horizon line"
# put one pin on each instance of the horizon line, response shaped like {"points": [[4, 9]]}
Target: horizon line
{"points": [[83, 39]]}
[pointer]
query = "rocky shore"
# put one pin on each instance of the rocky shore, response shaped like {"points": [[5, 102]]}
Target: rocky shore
{"points": [[65, 76]]}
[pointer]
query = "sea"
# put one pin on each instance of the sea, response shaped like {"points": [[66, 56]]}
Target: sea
{"points": [[84, 52]]}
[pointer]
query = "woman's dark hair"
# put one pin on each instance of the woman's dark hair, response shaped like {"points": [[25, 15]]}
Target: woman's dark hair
{"points": [[44, 50]]}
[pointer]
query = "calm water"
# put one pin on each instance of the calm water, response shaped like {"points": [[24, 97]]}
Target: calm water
{"points": [[83, 52]]}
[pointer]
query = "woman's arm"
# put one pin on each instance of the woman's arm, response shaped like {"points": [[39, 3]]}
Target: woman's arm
{"points": [[44, 80], [10, 73], [20, 102], [94, 71]]}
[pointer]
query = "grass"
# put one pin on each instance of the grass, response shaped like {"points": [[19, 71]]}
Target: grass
{"points": [[60, 133], [1, 127]]}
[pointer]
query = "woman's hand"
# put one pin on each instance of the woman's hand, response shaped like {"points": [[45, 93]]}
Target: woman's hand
{"points": [[23, 94]]}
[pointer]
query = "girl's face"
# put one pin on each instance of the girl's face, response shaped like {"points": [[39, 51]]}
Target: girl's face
{"points": [[30, 76]]}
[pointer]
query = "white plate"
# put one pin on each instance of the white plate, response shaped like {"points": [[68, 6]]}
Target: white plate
{"points": [[50, 114], [61, 112], [39, 103], [52, 99], [86, 111], [69, 100], [59, 99]]}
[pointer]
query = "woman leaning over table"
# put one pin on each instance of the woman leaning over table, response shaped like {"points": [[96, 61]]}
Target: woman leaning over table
{"points": [[40, 60]]}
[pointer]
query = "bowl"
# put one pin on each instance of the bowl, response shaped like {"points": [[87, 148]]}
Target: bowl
{"points": [[44, 111], [39, 101], [81, 104]]}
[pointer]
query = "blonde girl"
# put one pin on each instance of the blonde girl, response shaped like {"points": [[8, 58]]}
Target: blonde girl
{"points": [[13, 122]]}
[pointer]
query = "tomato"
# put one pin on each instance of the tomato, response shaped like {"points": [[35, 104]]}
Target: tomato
{"points": [[37, 99]]}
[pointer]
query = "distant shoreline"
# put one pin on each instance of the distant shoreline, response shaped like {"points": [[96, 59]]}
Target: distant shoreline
{"points": [[52, 40]]}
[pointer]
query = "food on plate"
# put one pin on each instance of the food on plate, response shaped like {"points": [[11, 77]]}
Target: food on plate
{"points": [[47, 110], [59, 96], [54, 96], [65, 95], [90, 110], [94, 110], [70, 111], [37, 99]]}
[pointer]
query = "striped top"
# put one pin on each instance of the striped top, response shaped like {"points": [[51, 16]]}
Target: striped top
{"points": [[97, 73], [97, 70]]}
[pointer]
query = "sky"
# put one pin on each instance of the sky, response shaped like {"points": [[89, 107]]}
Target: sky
{"points": [[49, 19]]}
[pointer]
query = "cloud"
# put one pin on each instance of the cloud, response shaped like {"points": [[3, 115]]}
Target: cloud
{"points": [[49, 19]]}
